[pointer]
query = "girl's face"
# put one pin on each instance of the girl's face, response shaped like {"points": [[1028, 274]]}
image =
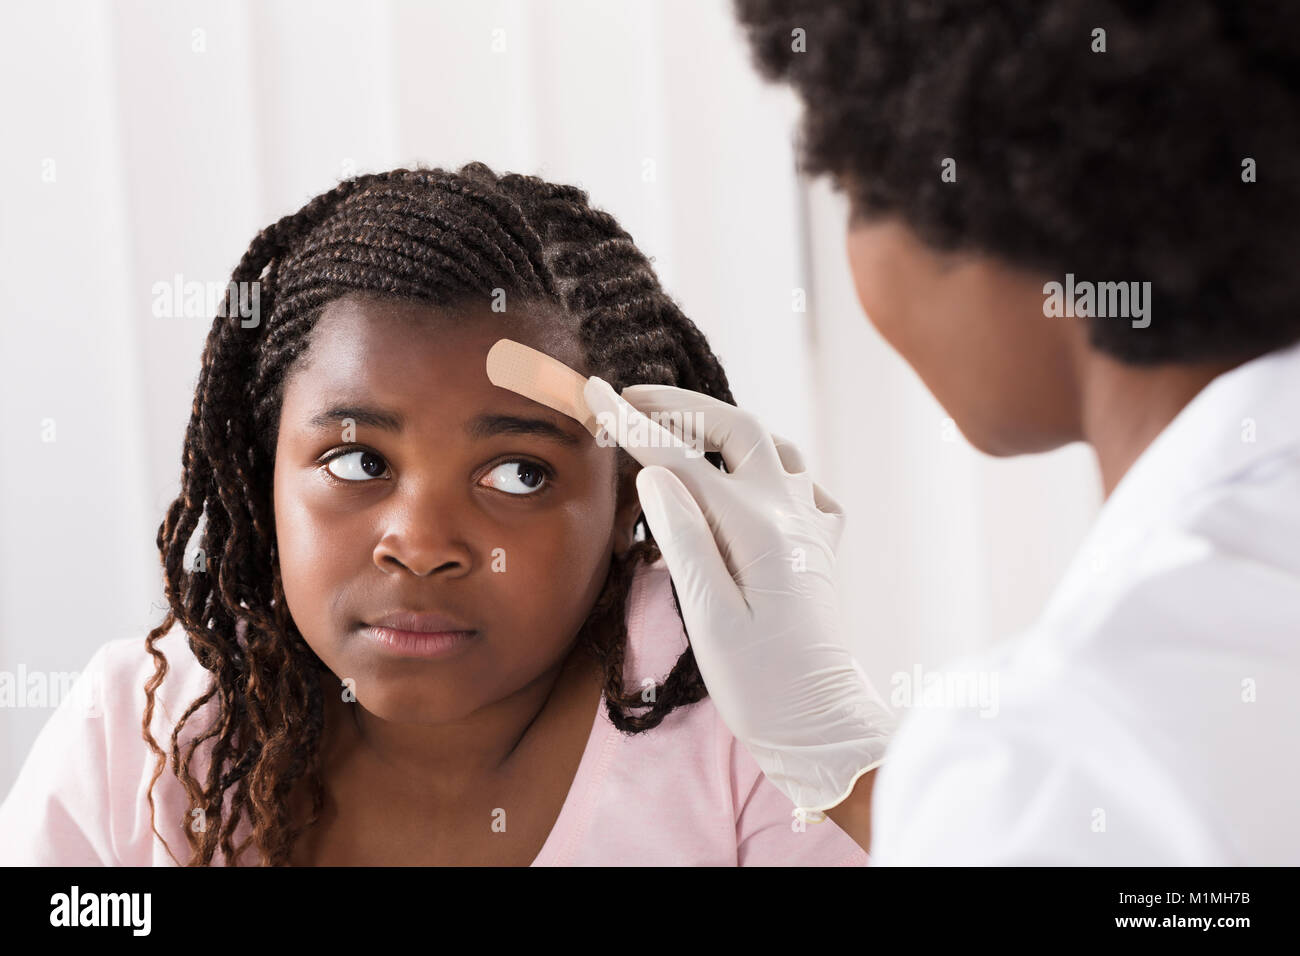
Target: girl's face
{"points": [[453, 497]]}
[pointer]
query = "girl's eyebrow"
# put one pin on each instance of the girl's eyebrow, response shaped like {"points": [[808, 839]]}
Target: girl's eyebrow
{"points": [[332, 417], [484, 426]]}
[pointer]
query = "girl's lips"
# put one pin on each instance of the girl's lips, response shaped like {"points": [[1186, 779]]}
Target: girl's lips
{"points": [[425, 644], [419, 621]]}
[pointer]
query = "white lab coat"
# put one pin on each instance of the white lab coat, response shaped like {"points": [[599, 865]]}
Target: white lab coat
{"points": [[1152, 714]]}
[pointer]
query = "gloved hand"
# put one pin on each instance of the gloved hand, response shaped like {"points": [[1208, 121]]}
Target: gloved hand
{"points": [[751, 552]]}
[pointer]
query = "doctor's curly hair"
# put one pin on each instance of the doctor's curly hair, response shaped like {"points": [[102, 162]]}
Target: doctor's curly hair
{"points": [[1119, 165], [433, 236]]}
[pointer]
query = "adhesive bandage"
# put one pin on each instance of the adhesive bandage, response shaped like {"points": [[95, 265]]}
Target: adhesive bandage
{"points": [[544, 379]]}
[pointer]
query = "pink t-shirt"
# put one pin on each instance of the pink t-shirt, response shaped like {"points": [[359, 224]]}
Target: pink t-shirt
{"points": [[686, 793]]}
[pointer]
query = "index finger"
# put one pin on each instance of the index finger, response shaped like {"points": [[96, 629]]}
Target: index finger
{"points": [[746, 445], [643, 438]]}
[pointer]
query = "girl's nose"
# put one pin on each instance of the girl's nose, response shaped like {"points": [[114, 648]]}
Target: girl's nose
{"points": [[424, 534]]}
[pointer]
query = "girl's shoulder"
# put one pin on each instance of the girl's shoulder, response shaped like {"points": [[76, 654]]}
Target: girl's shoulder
{"points": [[656, 637], [688, 789], [124, 666], [80, 795]]}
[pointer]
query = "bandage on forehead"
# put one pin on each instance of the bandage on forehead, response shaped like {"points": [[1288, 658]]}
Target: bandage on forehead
{"points": [[544, 379]]}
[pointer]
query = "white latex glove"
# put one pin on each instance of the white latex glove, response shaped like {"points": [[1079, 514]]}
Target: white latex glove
{"points": [[752, 553]]}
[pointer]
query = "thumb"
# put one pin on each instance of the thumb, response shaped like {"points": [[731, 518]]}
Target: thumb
{"points": [[705, 587]]}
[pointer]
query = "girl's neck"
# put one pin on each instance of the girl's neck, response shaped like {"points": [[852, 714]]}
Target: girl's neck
{"points": [[435, 764]]}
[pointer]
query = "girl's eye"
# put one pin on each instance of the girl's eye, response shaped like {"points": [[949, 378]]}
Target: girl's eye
{"points": [[517, 477], [356, 466]]}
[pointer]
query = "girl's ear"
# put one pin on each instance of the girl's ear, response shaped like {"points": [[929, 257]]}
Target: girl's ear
{"points": [[627, 509]]}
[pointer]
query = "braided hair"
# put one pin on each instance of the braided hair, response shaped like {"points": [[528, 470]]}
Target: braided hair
{"points": [[421, 234]]}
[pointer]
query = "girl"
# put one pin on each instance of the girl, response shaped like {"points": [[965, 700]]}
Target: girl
{"points": [[414, 618]]}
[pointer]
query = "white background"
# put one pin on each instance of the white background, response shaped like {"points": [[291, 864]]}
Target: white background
{"points": [[168, 159]]}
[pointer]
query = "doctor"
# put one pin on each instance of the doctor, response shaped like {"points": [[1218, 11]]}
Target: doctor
{"points": [[997, 157]]}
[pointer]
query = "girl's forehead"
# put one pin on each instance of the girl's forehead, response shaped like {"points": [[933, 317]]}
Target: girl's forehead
{"points": [[366, 329], [417, 366]]}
